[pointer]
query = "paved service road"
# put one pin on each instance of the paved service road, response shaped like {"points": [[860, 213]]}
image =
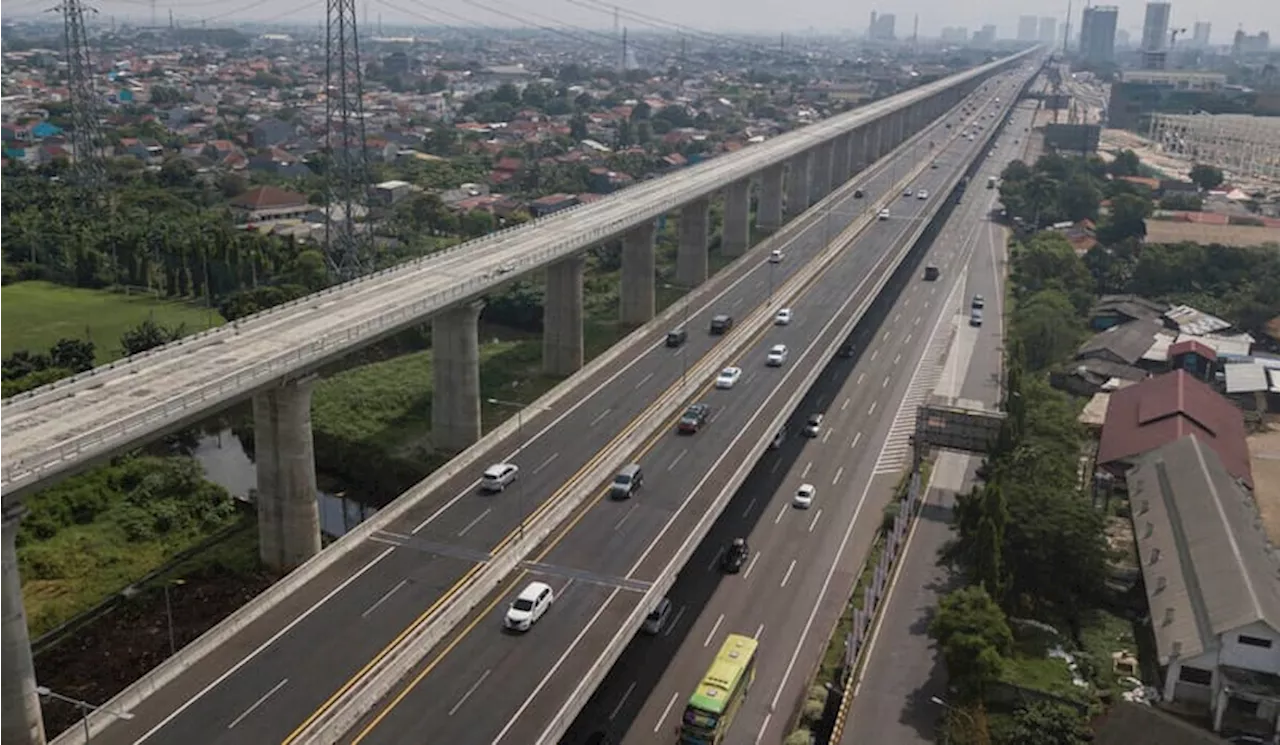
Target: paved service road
{"points": [[483, 685], [267, 680], [891, 704]]}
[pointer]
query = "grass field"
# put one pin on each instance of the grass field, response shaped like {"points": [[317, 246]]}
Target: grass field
{"points": [[37, 314]]}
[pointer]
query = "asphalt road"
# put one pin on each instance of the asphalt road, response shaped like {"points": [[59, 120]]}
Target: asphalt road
{"points": [[892, 701], [268, 679], [484, 685]]}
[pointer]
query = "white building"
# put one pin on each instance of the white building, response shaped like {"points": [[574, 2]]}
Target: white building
{"points": [[1212, 584]]}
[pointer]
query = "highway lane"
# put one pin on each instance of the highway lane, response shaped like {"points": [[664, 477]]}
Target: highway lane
{"points": [[51, 431], [609, 537], [385, 585], [891, 702]]}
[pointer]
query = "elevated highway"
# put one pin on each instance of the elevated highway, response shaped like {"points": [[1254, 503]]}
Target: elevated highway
{"points": [[613, 560], [264, 672]]}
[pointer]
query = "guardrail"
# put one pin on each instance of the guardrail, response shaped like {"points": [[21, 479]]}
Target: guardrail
{"points": [[561, 722], [131, 697], [694, 182]]}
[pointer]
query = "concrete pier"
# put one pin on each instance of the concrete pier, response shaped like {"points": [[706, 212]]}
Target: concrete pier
{"points": [[769, 206], [797, 185], [871, 141], [20, 720], [562, 317], [840, 160], [691, 256], [637, 292], [288, 513], [735, 232], [455, 370], [820, 172]]}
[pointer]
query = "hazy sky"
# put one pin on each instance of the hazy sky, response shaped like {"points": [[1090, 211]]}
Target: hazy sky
{"points": [[744, 15]]}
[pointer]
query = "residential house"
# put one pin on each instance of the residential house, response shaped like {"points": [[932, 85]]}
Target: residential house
{"points": [[271, 131], [1211, 585], [146, 151], [1161, 410], [604, 181], [1130, 351], [268, 203], [390, 192], [1113, 310], [543, 206]]}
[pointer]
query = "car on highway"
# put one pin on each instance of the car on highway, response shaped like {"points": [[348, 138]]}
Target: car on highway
{"points": [[931, 273], [933, 166], [975, 317], [735, 556], [776, 442], [804, 496], [676, 337], [498, 476], [922, 194], [813, 425], [728, 377], [906, 193], [627, 482], [657, 617], [884, 214], [529, 606], [857, 193], [783, 317], [776, 256], [777, 355], [978, 302], [721, 323], [693, 418], [848, 350]]}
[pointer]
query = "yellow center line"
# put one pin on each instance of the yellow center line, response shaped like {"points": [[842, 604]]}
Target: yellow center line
{"points": [[573, 522], [554, 500]]}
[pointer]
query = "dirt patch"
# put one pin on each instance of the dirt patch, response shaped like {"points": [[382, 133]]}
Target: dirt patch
{"points": [[107, 656], [1264, 454]]}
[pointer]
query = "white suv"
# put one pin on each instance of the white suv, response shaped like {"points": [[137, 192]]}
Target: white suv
{"points": [[532, 602], [777, 355], [499, 476]]}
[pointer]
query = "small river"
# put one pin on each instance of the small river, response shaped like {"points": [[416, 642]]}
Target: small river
{"points": [[226, 464]]}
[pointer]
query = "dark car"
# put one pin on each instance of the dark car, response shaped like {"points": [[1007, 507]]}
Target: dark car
{"points": [[848, 350], [676, 337], [857, 193], [693, 418], [721, 323], [735, 556], [931, 273]]}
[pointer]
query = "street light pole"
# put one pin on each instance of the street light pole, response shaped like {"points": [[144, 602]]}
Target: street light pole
{"points": [[972, 722], [85, 708], [685, 301], [520, 489]]}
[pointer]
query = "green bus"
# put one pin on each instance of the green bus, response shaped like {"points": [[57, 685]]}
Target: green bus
{"points": [[719, 695]]}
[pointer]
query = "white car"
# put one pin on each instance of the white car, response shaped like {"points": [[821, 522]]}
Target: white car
{"points": [[783, 318], [777, 355], [499, 476], [775, 256], [804, 496], [728, 377], [884, 214], [532, 602], [906, 193], [922, 194]]}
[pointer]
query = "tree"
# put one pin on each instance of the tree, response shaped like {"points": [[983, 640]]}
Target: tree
{"points": [[1128, 219], [1206, 177], [1048, 723], [1184, 202], [974, 637], [988, 567], [1048, 328], [1126, 163], [508, 94], [149, 335], [75, 355]]}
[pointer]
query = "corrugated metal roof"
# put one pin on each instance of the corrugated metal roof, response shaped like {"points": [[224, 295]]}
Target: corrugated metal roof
{"points": [[1206, 564], [1247, 377]]}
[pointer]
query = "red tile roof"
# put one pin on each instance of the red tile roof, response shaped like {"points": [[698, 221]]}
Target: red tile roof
{"points": [[1163, 409], [1191, 345], [265, 197]]}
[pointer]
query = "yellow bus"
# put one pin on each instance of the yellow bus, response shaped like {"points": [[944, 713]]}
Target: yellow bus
{"points": [[719, 695]]}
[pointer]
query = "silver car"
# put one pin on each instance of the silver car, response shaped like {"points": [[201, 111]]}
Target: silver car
{"points": [[657, 617]]}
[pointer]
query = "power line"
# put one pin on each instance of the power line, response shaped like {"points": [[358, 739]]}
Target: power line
{"points": [[348, 173], [87, 138]]}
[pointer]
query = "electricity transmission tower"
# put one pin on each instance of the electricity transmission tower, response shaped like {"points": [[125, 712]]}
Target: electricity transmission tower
{"points": [[348, 175], [86, 127]]}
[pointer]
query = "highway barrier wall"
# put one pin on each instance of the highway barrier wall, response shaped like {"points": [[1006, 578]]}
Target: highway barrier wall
{"points": [[582, 693]]}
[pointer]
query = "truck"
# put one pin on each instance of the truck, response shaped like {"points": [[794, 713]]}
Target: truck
{"points": [[991, 182]]}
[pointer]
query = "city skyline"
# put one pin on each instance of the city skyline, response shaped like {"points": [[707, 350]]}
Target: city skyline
{"points": [[747, 16]]}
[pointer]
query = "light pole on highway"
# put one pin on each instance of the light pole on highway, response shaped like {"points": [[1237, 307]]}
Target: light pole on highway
{"points": [[85, 708], [973, 724], [519, 408], [168, 613], [685, 301]]}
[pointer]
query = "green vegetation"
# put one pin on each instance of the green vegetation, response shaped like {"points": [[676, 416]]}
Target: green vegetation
{"points": [[90, 536], [37, 314]]}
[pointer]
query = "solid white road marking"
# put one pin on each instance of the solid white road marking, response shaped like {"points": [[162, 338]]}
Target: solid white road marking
{"points": [[546, 462], [666, 710], [836, 479], [714, 629], [470, 691], [256, 704], [790, 568], [621, 701], [473, 523], [752, 565], [600, 417], [384, 597]]}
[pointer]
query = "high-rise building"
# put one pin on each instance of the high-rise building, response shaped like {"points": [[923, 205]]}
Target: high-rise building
{"points": [[1245, 44], [1098, 33], [985, 37], [955, 34], [1048, 31], [1200, 35], [881, 27], [1027, 28], [1155, 27]]}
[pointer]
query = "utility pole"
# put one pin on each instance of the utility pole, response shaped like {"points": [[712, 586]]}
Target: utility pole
{"points": [[345, 242], [622, 66], [86, 127]]}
